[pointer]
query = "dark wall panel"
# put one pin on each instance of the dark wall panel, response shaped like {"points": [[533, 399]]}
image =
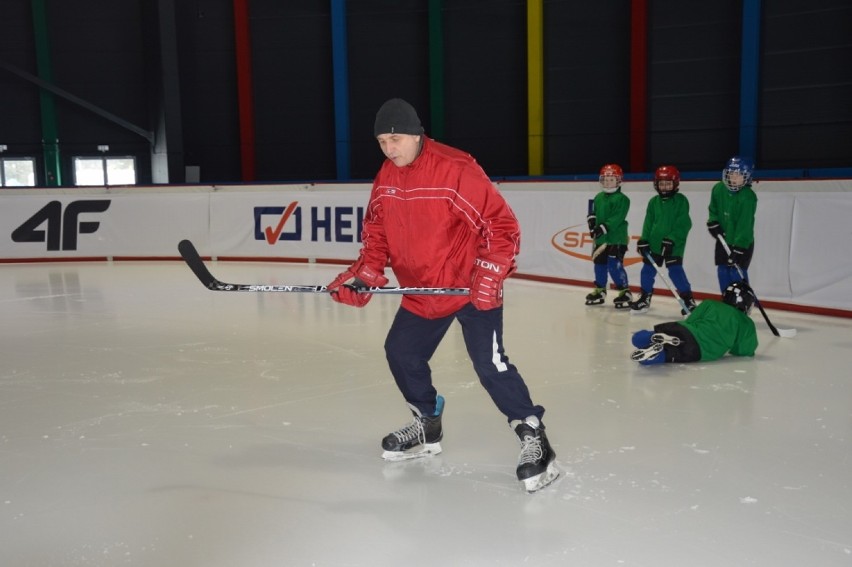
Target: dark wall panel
{"points": [[388, 57], [293, 90], [694, 76], [19, 103], [587, 85], [107, 52], [486, 82], [208, 88], [113, 78], [806, 96]]}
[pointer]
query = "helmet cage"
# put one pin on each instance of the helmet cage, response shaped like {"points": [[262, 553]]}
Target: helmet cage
{"points": [[737, 173]]}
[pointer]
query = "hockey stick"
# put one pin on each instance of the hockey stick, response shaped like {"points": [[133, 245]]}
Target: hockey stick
{"points": [[668, 284], [786, 333], [196, 264], [597, 251]]}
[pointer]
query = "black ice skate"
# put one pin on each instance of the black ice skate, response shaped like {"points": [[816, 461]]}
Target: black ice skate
{"points": [[597, 297], [642, 304], [536, 468], [419, 438], [623, 299]]}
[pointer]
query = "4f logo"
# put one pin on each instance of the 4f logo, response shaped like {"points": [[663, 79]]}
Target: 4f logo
{"points": [[62, 227]]}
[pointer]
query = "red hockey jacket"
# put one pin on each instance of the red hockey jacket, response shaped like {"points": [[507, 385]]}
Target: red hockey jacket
{"points": [[430, 219]]}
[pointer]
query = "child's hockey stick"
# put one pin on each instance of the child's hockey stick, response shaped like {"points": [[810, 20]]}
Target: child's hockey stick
{"points": [[668, 284], [196, 264], [597, 251], [786, 333]]}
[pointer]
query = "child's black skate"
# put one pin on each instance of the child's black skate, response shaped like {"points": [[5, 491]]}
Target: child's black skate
{"points": [[642, 304], [597, 297], [623, 299], [536, 468], [419, 438]]}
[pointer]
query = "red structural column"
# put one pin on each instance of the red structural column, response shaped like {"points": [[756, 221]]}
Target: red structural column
{"points": [[638, 84], [245, 95]]}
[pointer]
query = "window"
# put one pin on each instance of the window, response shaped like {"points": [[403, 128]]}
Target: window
{"points": [[104, 171], [17, 172]]}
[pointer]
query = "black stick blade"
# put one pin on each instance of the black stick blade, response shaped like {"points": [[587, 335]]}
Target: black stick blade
{"points": [[196, 264]]}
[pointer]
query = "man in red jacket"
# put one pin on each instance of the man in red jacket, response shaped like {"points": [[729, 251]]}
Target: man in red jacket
{"points": [[437, 219]]}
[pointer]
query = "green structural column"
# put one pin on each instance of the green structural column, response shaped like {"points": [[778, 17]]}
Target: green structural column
{"points": [[436, 70], [535, 86], [49, 128]]}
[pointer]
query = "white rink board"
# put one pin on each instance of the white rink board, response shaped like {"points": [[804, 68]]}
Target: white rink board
{"points": [[800, 228]]}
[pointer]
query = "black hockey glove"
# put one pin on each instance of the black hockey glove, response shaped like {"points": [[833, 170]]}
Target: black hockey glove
{"points": [[666, 248], [714, 228], [599, 231], [643, 248], [592, 221], [736, 257]]}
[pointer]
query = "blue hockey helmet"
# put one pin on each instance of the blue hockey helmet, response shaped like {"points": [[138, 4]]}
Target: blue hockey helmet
{"points": [[737, 173]]}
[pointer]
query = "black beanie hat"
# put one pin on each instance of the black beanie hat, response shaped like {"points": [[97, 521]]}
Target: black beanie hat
{"points": [[397, 117]]}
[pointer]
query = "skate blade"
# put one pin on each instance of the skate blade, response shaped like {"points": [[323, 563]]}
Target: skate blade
{"points": [[674, 341], [539, 481], [637, 355], [645, 354], [420, 452]]}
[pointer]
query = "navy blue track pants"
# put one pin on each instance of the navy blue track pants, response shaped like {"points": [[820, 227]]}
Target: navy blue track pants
{"points": [[412, 340]]}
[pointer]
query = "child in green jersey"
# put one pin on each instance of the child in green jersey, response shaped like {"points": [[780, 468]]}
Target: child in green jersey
{"points": [[607, 221], [731, 213], [712, 330], [663, 242]]}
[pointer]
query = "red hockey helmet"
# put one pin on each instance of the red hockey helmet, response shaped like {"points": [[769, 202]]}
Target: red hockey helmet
{"points": [[666, 180], [611, 177]]}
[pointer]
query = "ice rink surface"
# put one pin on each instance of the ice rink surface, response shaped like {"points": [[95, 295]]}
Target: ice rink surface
{"points": [[147, 421]]}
